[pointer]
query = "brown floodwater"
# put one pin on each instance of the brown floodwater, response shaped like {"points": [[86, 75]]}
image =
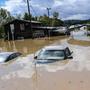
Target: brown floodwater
{"points": [[27, 46], [24, 74], [79, 42]]}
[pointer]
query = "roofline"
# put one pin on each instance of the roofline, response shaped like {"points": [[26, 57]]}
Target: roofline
{"points": [[27, 21]]}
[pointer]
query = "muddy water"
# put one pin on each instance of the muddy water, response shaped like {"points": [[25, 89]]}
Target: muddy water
{"points": [[27, 46], [79, 42], [24, 74]]}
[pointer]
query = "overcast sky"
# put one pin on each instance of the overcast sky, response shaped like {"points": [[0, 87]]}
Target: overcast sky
{"points": [[68, 9]]}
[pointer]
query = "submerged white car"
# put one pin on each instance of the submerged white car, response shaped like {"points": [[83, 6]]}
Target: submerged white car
{"points": [[53, 53], [7, 56]]}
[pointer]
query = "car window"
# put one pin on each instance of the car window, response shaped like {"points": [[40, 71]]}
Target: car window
{"points": [[51, 54], [37, 53], [12, 56]]}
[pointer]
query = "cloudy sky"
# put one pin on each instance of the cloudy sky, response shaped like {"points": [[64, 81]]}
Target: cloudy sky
{"points": [[68, 9]]}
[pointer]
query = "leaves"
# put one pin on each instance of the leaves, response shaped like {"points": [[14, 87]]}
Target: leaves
{"points": [[4, 16], [55, 15], [27, 16]]}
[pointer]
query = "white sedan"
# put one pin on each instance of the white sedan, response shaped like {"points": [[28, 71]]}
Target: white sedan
{"points": [[53, 53]]}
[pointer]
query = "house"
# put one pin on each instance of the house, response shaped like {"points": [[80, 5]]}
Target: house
{"points": [[20, 29]]}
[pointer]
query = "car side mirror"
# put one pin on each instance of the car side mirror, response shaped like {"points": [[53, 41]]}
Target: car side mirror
{"points": [[35, 57]]}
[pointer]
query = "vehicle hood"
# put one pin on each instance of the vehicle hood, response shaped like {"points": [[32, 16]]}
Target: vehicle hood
{"points": [[46, 60]]}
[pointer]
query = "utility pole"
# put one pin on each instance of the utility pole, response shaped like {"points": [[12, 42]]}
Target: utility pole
{"points": [[48, 10], [29, 12]]}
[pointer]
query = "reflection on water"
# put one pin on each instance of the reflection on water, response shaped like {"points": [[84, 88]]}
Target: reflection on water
{"points": [[27, 46]]}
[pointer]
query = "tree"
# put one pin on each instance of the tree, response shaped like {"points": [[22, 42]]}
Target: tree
{"points": [[5, 17], [44, 20], [27, 16], [55, 15], [55, 20]]}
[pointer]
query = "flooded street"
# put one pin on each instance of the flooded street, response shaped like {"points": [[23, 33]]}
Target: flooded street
{"points": [[24, 74], [27, 46]]}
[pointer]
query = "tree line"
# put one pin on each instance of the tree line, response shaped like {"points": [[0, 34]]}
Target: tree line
{"points": [[5, 17]]}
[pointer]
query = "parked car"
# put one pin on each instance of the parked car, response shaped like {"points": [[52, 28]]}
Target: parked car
{"points": [[7, 56], [53, 53]]}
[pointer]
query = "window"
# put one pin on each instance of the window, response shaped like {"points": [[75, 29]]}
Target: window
{"points": [[51, 54], [22, 27]]}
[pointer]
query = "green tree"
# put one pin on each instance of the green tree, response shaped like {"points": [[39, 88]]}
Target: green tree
{"points": [[5, 17], [27, 16], [55, 20], [44, 20], [55, 15]]}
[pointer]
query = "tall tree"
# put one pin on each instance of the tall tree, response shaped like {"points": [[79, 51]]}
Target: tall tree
{"points": [[55, 20], [44, 19], [55, 15], [27, 16], [5, 17]]}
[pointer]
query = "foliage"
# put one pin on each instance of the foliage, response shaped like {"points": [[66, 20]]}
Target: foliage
{"points": [[27, 16], [55, 15], [46, 21], [73, 22], [57, 22], [4, 18]]}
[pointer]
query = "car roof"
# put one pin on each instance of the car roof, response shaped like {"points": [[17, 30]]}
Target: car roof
{"points": [[57, 47], [6, 53]]}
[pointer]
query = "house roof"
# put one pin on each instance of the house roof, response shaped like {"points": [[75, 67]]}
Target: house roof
{"points": [[27, 21]]}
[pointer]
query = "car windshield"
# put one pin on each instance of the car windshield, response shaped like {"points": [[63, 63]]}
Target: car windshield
{"points": [[51, 54]]}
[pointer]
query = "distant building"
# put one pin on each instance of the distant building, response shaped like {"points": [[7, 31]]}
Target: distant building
{"points": [[18, 29]]}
